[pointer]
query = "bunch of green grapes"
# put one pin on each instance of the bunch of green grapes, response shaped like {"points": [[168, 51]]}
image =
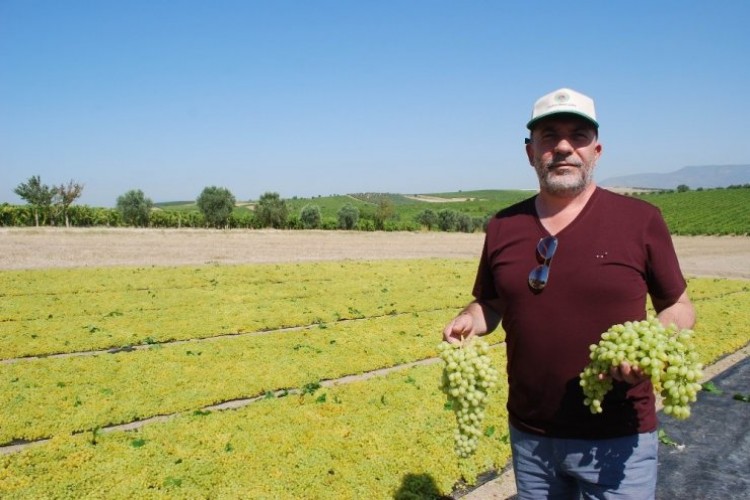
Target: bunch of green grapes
{"points": [[665, 354], [468, 376]]}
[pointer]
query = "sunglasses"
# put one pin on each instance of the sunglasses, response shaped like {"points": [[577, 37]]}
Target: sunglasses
{"points": [[539, 276]]}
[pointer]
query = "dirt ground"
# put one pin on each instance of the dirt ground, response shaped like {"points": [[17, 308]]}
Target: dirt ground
{"points": [[31, 248]]}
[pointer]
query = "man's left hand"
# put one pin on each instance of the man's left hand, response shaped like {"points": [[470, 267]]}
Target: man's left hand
{"points": [[624, 372]]}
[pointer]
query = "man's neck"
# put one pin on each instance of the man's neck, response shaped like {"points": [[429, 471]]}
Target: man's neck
{"points": [[556, 211]]}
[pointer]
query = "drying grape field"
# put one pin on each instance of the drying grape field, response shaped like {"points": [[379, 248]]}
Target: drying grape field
{"points": [[205, 364]]}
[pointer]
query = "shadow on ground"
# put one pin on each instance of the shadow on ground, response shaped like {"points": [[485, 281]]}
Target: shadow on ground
{"points": [[418, 487]]}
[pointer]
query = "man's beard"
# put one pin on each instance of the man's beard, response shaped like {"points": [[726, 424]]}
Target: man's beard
{"points": [[568, 184]]}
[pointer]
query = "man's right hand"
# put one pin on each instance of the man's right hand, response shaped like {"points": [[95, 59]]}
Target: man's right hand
{"points": [[478, 318], [461, 328]]}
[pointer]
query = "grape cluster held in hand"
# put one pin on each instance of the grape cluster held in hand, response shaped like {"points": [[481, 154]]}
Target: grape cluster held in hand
{"points": [[664, 354], [468, 376]]}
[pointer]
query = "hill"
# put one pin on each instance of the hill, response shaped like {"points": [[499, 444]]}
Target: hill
{"points": [[695, 211], [708, 176], [475, 203]]}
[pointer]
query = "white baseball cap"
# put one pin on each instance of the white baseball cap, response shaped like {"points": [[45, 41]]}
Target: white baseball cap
{"points": [[565, 101]]}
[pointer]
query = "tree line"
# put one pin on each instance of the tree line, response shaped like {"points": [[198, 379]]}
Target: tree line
{"points": [[216, 208], [49, 202]]}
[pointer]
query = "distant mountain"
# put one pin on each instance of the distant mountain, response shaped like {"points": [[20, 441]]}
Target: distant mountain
{"points": [[709, 176]]}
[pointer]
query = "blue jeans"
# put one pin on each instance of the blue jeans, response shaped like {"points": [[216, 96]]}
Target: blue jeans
{"points": [[621, 468]]}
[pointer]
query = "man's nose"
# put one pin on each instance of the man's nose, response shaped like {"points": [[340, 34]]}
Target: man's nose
{"points": [[564, 146]]}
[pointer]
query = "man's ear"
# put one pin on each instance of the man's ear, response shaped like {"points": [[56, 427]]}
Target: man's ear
{"points": [[529, 152]]}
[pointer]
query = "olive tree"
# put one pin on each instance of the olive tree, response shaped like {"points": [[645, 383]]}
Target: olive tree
{"points": [[348, 216], [135, 208], [36, 194], [427, 218], [447, 219], [310, 216], [216, 204], [271, 211], [383, 212], [65, 195], [464, 223]]}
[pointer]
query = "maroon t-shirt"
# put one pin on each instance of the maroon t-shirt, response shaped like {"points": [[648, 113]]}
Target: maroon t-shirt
{"points": [[616, 252]]}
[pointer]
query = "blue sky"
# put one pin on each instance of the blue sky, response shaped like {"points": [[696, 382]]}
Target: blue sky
{"points": [[321, 97]]}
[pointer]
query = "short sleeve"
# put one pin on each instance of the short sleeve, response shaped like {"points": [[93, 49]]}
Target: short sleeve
{"points": [[664, 276], [484, 284]]}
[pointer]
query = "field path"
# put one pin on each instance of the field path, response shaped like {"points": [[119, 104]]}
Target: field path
{"points": [[29, 248]]}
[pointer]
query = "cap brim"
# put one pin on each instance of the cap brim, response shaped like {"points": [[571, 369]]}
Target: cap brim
{"points": [[539, 118]]}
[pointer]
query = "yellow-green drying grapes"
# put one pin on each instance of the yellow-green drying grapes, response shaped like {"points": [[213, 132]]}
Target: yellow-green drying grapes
{"points": [[468, 376], [666, 355]]}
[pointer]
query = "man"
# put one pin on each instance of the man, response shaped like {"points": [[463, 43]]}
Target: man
{"points": [[559, 269]]}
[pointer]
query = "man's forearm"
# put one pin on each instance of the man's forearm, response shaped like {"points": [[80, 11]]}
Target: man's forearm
{"points": [[681, 313], [484, 317]]}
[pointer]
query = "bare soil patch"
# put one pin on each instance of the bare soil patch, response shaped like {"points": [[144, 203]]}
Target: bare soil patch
{"points": [[437, 199], [714, 256], [29, 248], [33, 248]]}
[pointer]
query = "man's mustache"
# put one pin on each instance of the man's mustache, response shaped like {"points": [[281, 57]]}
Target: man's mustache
{"points": [[564, 162]]}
